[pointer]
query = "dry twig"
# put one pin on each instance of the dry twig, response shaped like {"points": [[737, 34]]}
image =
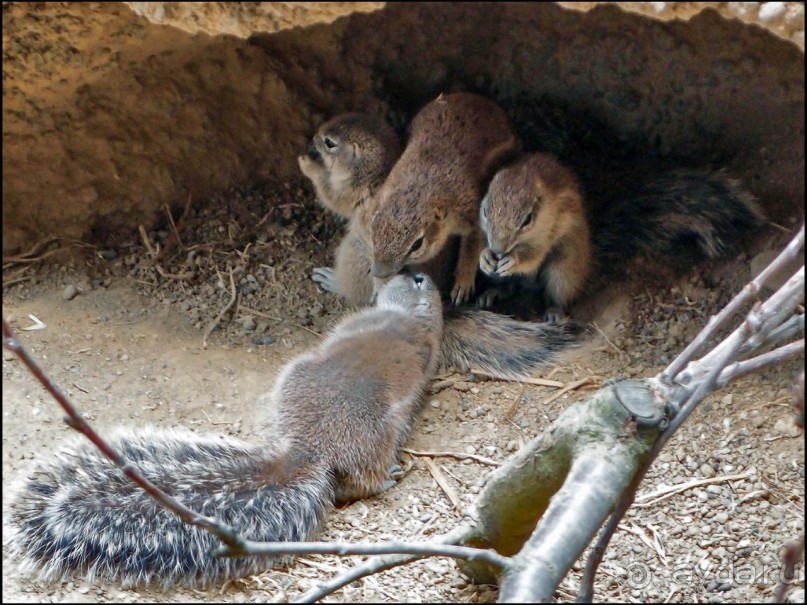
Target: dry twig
{"points": [[457, 455], [443, 483], [226, 308], [541, 382], [571, 387]]}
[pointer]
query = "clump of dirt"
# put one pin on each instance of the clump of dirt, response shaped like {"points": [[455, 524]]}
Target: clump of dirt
{"points": [[123, 336]]}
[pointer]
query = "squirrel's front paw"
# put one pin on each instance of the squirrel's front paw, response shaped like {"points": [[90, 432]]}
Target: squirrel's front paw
{"points": [[326, 278], [507, 266], [488, 262], [555, 315], [308, 166], [486, 299], [461, 292]]}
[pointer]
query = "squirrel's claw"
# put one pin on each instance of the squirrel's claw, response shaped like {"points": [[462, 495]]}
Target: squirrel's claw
{"points": [[326, 278]]}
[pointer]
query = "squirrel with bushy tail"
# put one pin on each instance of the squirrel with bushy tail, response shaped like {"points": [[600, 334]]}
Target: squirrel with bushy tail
{"points": [[334, 423]]}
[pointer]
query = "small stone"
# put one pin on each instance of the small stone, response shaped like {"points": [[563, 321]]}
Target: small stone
{"points": [[108, 254], [249, 324], [721, 518], [757, 421], [707, 470], [69, 292], [262, 340], [783, 425]]}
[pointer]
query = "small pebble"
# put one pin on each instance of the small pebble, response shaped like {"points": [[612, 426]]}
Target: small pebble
{"points": [[783, 425], [707, 470], [69, 292]]}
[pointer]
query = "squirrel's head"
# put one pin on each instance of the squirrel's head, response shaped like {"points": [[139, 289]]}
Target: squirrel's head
{"points": [[524, 200], [408, 228], [416, 294], [356, 148]]}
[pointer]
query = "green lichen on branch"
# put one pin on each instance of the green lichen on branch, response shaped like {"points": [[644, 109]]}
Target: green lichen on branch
{"points": [[551, 475]]}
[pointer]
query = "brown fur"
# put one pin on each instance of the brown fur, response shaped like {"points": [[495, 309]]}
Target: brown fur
{"points": [[433, 190], [352, 400], [351, 155], [345, 178], [351, 275], [534, 220]]}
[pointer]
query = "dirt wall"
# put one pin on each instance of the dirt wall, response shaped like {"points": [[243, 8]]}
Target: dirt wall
{"points": [[108, 116]]}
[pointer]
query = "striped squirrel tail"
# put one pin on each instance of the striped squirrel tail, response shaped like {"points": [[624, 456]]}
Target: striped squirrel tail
{"points": [[501, 346], [81, 514]]}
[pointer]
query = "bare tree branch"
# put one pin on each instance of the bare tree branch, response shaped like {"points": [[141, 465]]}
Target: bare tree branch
{"points": [[418, 549], [759, 323], [375, 565], [750, 366], [793, 326], [750, 291], [566, 481]]}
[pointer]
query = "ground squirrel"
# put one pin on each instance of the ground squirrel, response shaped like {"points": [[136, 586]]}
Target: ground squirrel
{"points": [[349, 158], [495, 344], [536, 224], [335, 421], [433, 190]]}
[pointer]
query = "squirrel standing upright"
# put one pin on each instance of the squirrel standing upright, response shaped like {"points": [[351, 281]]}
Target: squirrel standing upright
{"points": [[348, 160], [336, 419], [536, 224], [472, 339]]}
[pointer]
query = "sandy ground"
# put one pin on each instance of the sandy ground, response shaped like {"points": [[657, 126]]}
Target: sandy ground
{"points": [[127, 349]]}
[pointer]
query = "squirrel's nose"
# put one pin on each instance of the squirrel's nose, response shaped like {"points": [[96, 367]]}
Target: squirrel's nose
{"points": [[383, 270], [497, 256], [419, 278], [313, 153]]}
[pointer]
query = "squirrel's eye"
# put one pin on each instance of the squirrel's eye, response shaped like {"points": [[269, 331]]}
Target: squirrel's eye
{"points": [[330, 143], [527, 221], [416, 246], [484, 212]]}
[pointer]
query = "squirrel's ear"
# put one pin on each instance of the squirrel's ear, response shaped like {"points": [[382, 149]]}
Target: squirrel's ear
{"points": [[356, 151], [439, 212]]}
